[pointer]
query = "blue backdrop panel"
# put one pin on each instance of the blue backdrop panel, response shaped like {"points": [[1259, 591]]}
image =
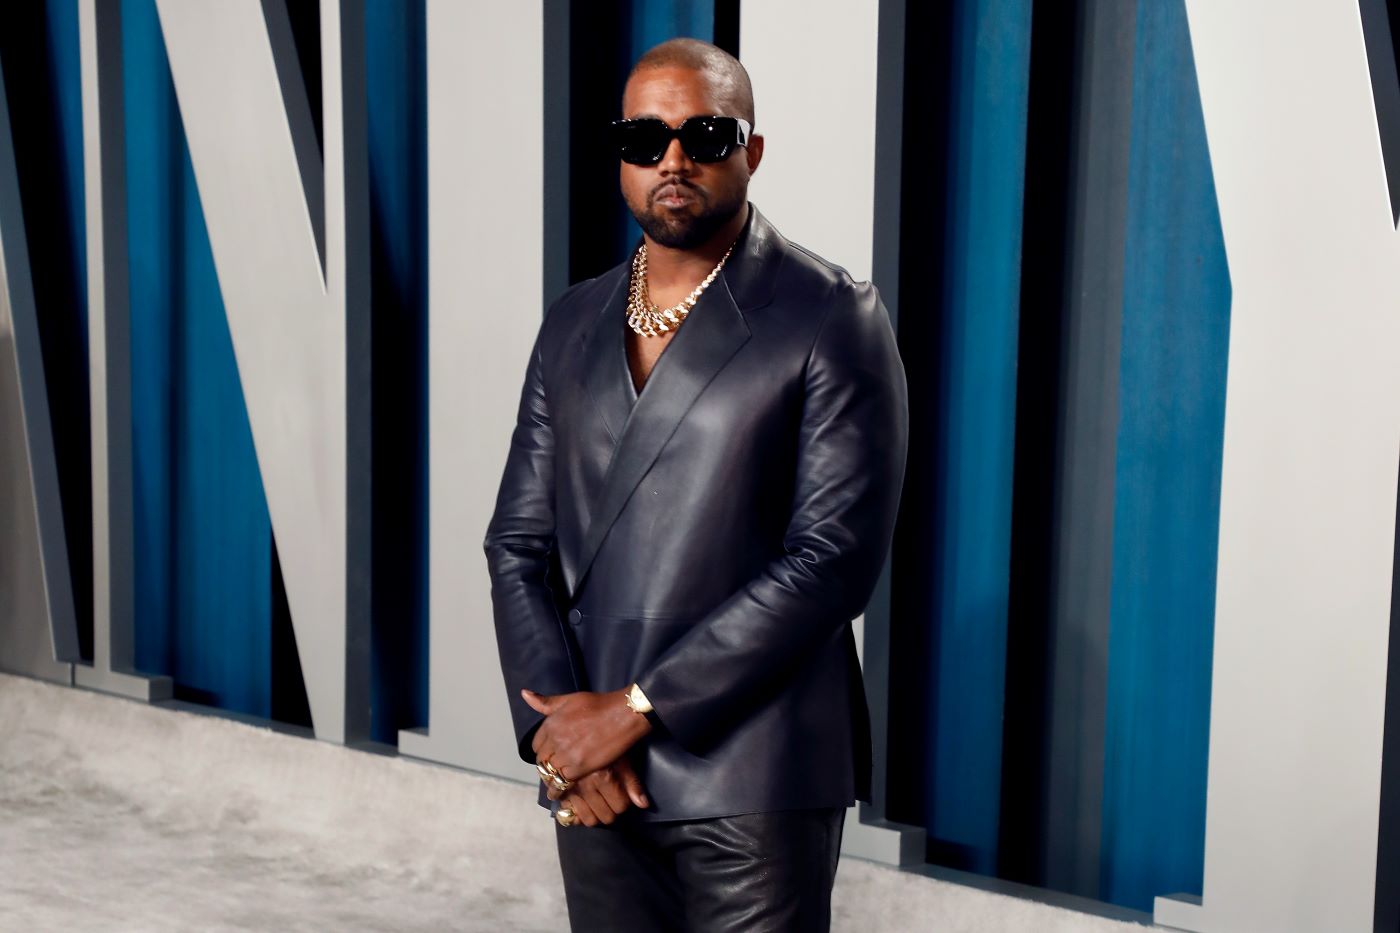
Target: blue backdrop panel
{"points": [[1176, 314], [655, 21], [398, 165], [49, 150], [203, 558], [67, 81], [970, 546], [152, 157]]}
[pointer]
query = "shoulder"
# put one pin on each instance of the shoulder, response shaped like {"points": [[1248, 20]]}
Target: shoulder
{"points": [[806, 266], [570, 315], [826, 293], [575, 300], [847, 335]]}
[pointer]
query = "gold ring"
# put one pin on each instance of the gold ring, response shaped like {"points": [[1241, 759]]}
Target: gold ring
{"points": [[550, 775], [565, 816]]}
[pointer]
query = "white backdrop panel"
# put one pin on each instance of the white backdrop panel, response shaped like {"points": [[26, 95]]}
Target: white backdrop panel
{"points": [[1312, 444]]}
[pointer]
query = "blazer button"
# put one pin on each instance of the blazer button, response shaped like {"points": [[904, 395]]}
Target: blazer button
{"points": [[575, 616]]}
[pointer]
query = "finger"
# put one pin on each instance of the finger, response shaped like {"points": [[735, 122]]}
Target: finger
{"points": [[612, 790], [580, 806], [631, 783], [541, 738], [566, 762], [598, 803], [546, 749], [537, 702]]}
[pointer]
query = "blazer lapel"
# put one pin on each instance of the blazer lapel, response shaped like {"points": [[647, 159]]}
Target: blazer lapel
{"points": [[641, 424], [608, 379], [712, 333]]}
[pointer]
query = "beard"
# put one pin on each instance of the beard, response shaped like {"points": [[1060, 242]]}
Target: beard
{"points": [[685, 230]]}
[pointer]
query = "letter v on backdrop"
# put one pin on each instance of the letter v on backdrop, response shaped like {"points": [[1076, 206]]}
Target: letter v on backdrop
{"points": [[290, 239], [288, 223]]}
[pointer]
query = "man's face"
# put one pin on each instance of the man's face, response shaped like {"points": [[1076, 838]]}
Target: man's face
{"points": [[678, 202]]}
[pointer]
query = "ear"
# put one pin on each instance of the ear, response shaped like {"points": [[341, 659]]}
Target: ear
{"points": [[754, 152]]}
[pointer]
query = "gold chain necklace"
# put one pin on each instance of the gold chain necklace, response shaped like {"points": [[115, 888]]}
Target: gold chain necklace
{"points": [[646, 318]]}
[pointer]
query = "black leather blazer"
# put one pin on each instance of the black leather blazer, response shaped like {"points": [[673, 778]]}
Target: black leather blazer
{"points": [[713, 537]]}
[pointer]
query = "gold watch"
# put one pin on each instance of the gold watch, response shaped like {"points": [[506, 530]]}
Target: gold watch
{"points": [[637, 701]]}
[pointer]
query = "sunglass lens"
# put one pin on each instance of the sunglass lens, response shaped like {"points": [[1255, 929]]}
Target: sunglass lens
{"points": [[640, 142], [708, 139]]}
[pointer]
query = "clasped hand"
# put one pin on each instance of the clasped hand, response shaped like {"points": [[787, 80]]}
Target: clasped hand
{"points": [[585, 736], [602, 796]]}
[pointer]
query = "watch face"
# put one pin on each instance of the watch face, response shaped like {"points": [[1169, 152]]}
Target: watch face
{"points": [[637, 699]]}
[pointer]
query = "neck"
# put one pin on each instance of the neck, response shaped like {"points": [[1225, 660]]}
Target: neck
{"points": [[667, 265]]}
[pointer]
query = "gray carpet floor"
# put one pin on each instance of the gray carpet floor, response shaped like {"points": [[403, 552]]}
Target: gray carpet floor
{"points": [[117, 816]]}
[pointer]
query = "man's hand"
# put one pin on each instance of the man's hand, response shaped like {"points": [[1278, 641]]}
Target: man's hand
{"points": [[602, 796], [584, 731]]}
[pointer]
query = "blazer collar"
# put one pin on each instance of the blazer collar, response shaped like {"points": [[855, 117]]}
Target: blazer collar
{"points": [[752, 269], [640, 425]]}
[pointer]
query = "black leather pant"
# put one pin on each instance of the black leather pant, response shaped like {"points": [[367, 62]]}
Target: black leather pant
{"points": [[755, 872]]}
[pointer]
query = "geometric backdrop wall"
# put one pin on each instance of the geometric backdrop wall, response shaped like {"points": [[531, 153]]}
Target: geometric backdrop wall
{"points": [[1078, 536]]}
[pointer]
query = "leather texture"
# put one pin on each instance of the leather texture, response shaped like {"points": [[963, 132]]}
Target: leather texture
{"points": [[713, 536], [756, 872]]}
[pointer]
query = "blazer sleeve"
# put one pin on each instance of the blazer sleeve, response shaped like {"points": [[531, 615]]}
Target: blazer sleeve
{"points": [[529, 632], [852, 443]]}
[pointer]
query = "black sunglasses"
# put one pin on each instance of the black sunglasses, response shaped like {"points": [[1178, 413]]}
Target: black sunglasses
{"points": [[705, 139]]}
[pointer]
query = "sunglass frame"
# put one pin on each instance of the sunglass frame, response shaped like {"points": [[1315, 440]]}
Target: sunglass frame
{"points": [[618, 130]]}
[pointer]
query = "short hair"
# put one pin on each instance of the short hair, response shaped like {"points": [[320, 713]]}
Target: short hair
{"points": [[730, 77]]}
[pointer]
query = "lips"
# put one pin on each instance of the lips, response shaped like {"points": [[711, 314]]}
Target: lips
{"points": [[673, 196]]}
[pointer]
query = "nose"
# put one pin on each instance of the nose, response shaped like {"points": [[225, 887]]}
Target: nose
{"points": [[675, 161]]}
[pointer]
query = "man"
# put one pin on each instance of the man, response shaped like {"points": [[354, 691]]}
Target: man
{"points": [[699, 496]]}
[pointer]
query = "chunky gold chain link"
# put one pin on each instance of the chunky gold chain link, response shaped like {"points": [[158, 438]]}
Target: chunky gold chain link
{"points": [[646, 318]]}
